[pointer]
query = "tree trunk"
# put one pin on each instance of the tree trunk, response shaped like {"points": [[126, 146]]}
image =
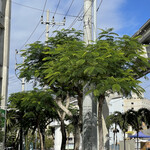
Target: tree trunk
{"points": [[137, 140], [114, 142], [100, 127], [62, 118], [124, 141], [77, 137], [41, 139], [80, 104], [63, 131], [20, 142], [78, 128]]}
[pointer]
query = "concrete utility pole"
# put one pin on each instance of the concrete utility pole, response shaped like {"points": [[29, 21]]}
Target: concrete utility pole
{"points": [[5, 67], [89, 137], [6, 9], [51, 23], [95, 21]]}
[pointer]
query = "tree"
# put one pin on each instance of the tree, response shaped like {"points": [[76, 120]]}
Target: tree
{"points": [[40, 111], [2, 122], [114, 119], [66, 65], [145, 113], [112, 64], [34, 110], [135, 120], [2, 119], [124, 126], [37, 59], [119, 119], [15, 117]]}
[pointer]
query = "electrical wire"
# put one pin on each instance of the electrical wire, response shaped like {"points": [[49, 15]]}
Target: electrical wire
{"points": [[27, 6], [42, 10], [56, 29], [29, 38], [69, 8], [35, 27], [75, 20], [57, 7], [44, 7], [44, 32], [30, 35], [78, 16], [99, 5], [87, 11]]}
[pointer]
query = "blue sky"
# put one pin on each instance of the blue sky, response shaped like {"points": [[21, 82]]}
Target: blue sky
{"points": [[125, 16]]}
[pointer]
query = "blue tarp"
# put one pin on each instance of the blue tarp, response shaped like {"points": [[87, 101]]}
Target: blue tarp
{"points": [[140, 135]]}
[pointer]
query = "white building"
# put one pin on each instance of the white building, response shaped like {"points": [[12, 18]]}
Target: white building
{"points": [[122, 105], [136, 104]]}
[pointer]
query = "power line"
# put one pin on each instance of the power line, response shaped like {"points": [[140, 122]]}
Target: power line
{"points": [[30, 35], [56, 29], [57, 7], [35, 27], [99, 5], [69, 15], [44, 32], [69, 8], [44, 7], [75, 20], [87, 10], [27, 6]]}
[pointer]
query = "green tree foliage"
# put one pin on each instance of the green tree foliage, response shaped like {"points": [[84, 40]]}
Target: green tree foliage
{"points": [[2, 118], [2, 122], [31, 110], [118, 119], [132, 118], [136, 118], [66, 64], [36, 62]]}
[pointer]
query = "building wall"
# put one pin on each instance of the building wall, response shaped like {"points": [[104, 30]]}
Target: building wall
{"points": [[148, 51], [136, 103]]}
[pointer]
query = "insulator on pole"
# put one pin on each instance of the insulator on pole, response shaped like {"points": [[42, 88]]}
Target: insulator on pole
{"points": [[41, 19]]}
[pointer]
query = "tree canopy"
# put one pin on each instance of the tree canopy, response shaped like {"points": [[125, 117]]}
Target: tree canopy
{"points": [[31, 110], [113, 63], [66, 64]]}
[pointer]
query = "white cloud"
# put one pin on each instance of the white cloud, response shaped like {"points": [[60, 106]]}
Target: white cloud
{"points": [[110, 14]]}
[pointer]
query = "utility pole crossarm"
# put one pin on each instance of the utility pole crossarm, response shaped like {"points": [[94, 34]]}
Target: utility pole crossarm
{"points": [[47, 23]]}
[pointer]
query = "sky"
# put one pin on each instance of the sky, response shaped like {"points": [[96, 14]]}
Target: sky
{"points": [[125, 16]]}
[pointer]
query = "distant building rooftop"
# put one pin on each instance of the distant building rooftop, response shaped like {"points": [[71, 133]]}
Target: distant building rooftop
{"points": [[144, 33]]}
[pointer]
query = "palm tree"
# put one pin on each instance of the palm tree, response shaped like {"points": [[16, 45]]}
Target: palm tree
{"points": [[123, 124], [114, 119], [119, 119], [35, 110], [134, 118], [145, 113]]}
